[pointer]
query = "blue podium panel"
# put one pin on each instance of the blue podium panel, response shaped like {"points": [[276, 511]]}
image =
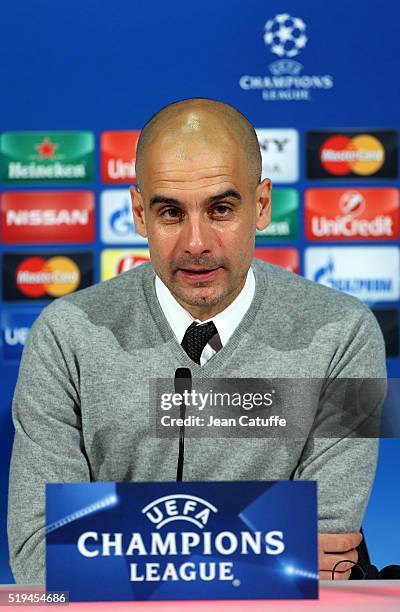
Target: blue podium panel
{"points": [[186, 540]]}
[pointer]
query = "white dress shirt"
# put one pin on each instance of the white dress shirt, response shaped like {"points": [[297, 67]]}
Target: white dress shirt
{"points": [[226, 321]]}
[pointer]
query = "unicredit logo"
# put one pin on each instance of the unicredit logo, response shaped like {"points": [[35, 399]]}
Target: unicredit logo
{"points": [[365, 214], [118, 156], [352, 203]]}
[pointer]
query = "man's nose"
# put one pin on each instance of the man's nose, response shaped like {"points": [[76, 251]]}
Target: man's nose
{"points": [[197, 236]]}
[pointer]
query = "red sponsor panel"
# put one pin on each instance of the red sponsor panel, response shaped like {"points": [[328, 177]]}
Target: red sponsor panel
{"points": [[30, 217], [363, 215], [118, 156], [128, 262], [285, 258]]}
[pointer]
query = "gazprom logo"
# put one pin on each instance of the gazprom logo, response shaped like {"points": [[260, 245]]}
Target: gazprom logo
{"points": [[117, 226], [371, 274], [179, 507]]}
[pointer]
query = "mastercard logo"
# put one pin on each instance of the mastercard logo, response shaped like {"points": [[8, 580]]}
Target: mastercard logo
{"points": [[362, 154], [57, 276]]}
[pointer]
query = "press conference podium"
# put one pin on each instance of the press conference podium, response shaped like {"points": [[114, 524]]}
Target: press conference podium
{"points": [[337, 596]]}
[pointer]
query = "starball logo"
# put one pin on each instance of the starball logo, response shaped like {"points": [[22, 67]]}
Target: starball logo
{"points": [[166, 541], [286, 37]]}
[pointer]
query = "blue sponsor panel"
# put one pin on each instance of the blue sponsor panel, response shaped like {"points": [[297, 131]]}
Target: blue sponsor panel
{"points": [[15, 326], [182, 541]]}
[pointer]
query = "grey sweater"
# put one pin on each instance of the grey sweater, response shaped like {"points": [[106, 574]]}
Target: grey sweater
{"points": [[81, 406]]}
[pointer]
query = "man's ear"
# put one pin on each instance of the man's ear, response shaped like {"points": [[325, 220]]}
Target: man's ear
{"points": [[138, 211], [263, 204]]}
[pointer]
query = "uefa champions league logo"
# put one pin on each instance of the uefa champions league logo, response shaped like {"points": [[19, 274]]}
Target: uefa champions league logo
{"points": [[285, 35], [287, 81], [177, 555], [179, 507]]}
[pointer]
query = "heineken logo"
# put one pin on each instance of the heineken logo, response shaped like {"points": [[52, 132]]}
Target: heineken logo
{"points": [[56, 157], [46, 149]]}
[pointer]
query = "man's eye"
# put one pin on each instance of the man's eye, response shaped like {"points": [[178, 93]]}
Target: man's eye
{"points": [[171, 213], [221, 210]]}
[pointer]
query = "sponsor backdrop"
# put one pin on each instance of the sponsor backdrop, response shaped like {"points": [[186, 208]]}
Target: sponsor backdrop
{"points": [[319, 83]]}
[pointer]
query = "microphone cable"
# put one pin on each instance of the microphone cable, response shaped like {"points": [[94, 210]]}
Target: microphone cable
{"points": [[183, 382]]}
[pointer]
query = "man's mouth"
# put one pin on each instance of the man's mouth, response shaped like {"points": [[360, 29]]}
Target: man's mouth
{"points": [[199, 273]]}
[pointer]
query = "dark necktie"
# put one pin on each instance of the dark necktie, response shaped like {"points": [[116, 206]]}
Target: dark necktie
{"points": [[196, 337]]}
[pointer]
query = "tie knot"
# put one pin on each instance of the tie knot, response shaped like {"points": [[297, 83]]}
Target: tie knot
{"points": [[196, 337]]}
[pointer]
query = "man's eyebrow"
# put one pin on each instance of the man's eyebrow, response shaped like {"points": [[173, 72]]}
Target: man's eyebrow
{"points": [[230, 193], [160, 199]]}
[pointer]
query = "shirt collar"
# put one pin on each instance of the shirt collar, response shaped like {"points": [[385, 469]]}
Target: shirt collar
{"points": [[226, 321]]}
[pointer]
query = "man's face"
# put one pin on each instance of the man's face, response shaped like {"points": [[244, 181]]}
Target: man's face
{"points": [[199, 211]]}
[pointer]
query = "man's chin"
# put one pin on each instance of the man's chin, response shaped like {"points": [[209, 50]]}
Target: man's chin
{"points": [[202, 300], [200, 296]]}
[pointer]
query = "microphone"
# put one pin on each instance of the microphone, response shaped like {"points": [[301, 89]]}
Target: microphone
{"points": [[390, 572], [183, 382], [371, 572]]}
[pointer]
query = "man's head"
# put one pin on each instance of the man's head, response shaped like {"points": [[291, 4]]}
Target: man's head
{"points": [[200, 201]]}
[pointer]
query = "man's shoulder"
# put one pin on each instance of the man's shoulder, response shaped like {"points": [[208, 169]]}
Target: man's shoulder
{"points": [[107, 300], [293, 295]]}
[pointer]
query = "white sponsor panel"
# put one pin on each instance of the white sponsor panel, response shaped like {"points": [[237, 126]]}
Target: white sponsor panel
{"points": [[371, 274], [280, 154], [117, 226]]}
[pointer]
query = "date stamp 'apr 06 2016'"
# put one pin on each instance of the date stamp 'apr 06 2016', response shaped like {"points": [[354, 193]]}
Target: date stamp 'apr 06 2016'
{"points": [[35, 596]]}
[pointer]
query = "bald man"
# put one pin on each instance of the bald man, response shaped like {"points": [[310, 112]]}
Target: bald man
{"points": [[81, 407]]}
